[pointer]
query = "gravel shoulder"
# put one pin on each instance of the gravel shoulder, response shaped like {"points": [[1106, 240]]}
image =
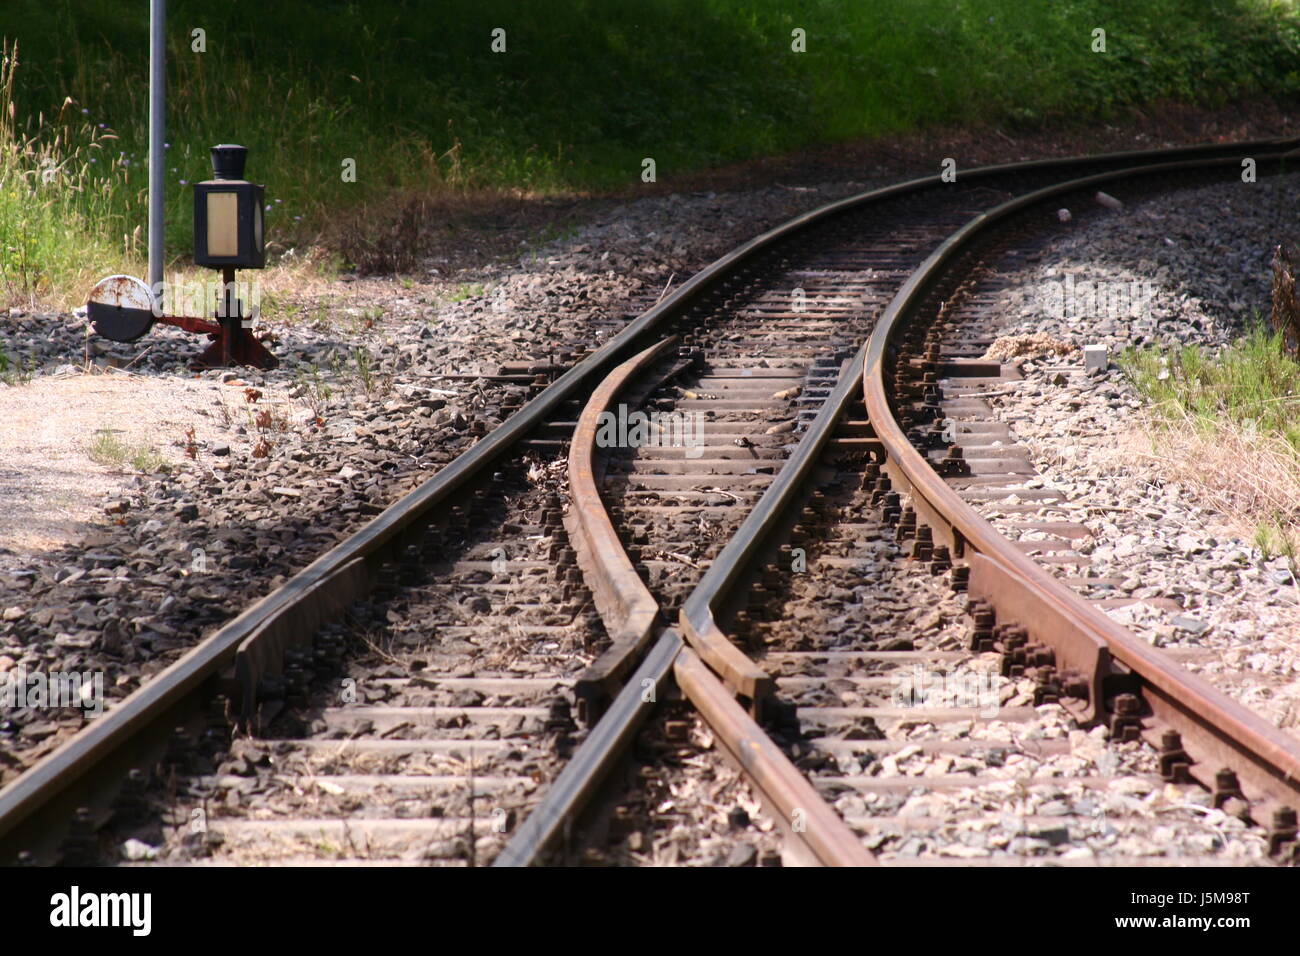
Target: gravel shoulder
{"points": [[1204, 590]]}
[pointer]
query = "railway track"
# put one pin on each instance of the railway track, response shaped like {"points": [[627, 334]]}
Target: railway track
{"points": [[440, 688], [827, 686]]}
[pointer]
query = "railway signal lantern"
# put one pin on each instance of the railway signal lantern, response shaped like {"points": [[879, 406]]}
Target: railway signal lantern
{"points": [[228, 235], [228, 214]]}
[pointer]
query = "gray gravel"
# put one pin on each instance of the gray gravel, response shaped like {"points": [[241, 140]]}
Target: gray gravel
{"points": [[1235, 616]]}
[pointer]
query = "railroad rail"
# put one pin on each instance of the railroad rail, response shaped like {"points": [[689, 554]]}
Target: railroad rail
{"points": [[1080, 657], [222, 685]]}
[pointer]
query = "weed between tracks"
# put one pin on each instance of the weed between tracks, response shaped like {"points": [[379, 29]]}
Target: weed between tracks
{"points": [[1228, 426]]}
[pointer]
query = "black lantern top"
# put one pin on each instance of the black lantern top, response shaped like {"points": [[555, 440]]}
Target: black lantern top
{"points": [[228, 161]]}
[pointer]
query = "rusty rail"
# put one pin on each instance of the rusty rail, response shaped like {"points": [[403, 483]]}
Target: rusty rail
{"points": [[255, 641], [631, 614], [1216, 728], [1085, 639], [804, 816], [625, 604]]}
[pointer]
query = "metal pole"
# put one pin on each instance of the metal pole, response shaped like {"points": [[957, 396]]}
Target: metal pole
{"points": [[230, 327], [157, 132]]}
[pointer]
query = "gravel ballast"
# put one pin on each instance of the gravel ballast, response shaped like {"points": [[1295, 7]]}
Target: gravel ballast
{"points": [[1206, 592]]}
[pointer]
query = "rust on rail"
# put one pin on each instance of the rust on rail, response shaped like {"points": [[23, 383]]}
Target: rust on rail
{"points": [[622, 599], [1218, 731], [803, 815]]}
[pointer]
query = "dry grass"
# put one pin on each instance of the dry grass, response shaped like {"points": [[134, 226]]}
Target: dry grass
{"points": [[58, 176], [1225, 423], [1034, 346], [1249, 478]]}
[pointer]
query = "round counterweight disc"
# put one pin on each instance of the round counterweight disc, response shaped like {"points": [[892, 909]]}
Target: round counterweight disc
{"points": [[121, 308]]}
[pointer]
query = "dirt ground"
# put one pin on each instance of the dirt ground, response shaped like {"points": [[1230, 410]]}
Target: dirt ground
{"points": [[52, 488]]}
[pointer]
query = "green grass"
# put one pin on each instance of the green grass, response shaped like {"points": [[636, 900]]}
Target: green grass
{"points": [[466, 291], [1251, 385], [1275, 538], [354, 369], [585, 90], [108, 449], [64, 205], [1231, 423]]}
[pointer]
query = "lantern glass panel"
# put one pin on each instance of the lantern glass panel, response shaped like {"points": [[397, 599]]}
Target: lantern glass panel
{"points": [[257, 225], [223, 224]]}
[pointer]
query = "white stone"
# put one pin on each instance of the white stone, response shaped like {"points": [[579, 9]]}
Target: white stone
{"points": [[1095, 356]]}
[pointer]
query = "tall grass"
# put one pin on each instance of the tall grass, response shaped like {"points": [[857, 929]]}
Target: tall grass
{"points": [[1252, 385], [62, 202], [411, 90]]}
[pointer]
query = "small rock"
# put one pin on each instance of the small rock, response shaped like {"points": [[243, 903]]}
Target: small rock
{"points": [[1189, 624], [39, 730], [1053, 835], [742, 854], [136, 850], [1095, 357], [1109, 201]]}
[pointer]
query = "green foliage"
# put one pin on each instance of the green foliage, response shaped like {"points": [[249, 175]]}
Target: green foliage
{"points": [[1249, 390], [466, 291], [108, 449], [62, 196], [411, 90], [1251, 385]]}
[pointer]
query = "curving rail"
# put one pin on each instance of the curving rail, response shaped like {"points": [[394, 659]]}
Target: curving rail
{"points": [[253, 645]]}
